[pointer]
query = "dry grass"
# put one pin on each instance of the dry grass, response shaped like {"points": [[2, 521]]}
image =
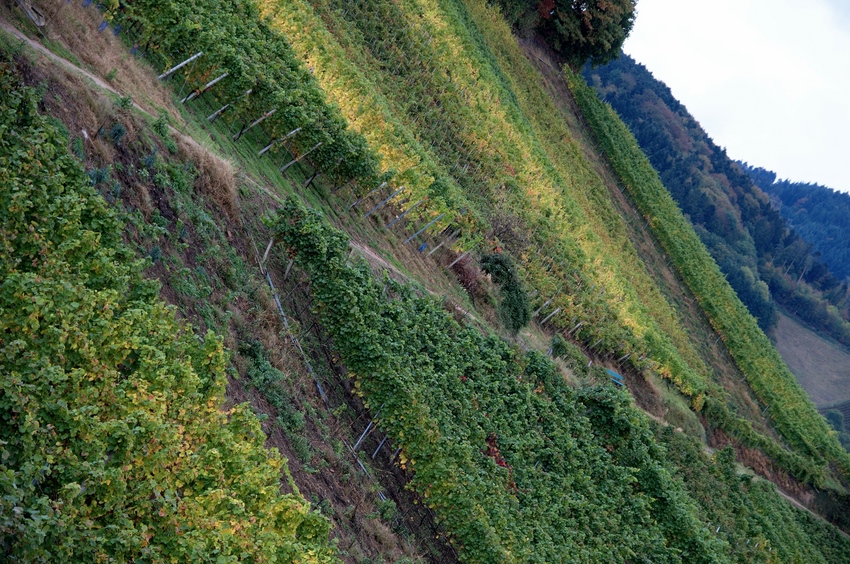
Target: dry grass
{"points": [[76, 28], [215, 176]]}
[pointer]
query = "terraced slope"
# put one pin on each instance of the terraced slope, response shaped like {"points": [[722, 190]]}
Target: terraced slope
{"points": [[443, 93], [515, 455]]}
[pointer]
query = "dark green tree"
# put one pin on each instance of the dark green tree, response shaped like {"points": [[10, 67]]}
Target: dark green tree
{"points": [[836, 419], [589, 30], [579, 30], [514, 308]]}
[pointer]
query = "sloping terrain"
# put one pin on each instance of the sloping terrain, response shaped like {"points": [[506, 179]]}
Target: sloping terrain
{"points": [[818, 213], [754, 247], [822, 367], [412, 385], [765, 261]]}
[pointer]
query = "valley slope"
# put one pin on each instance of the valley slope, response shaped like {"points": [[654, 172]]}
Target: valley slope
{"points": [[417, 126]]}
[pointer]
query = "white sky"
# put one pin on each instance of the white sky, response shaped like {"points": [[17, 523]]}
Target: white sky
{"points": [[767, 79]]}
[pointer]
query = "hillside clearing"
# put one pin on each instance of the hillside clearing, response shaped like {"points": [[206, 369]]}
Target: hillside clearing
{"points": [[822, 367]]}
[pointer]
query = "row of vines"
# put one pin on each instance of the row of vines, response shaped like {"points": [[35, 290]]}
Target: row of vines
{"points": [[114, 445], [430, 76], [791, 411], [419, 80], [517, 465], [258, 77]]}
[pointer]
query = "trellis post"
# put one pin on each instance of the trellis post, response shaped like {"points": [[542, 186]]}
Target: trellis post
{"points": [[257, 121], [215, 115], [301, 156], [383, 203], [206, 87], [368, 194], [432, 222], [404, 213], [168, 73]]}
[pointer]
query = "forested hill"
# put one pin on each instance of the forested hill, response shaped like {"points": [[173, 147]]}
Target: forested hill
{"points": [[765, 261], [819, 214]]}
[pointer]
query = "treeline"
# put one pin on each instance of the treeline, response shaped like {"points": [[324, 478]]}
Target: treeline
{"points": [[113, 442], [763, 260], [819, 214], [519, 466], [835, 417], [792, 413]]}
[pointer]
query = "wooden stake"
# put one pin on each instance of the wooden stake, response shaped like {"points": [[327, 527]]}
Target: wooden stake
{"points": [[298, 158], [367, 195], [206, 87], [256, 122], [383, 203], [446, 240], [377, 450], [310, 181], [458, 259], [266, 254], [550, 316], [541, 307]]}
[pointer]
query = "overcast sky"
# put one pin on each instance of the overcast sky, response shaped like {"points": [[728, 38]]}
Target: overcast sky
{"points": [[767, 79]]}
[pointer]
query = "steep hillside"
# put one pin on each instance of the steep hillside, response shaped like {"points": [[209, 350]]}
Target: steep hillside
{"points": [[421, 266], [449, 78], [747, 237], [115, 440]]}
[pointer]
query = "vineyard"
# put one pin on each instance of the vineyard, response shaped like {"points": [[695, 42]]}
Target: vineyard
{"points": [[425, 116], [501, 163], [114, 442], [443, 74], [256, 76], [519, 466], [793, 413]]}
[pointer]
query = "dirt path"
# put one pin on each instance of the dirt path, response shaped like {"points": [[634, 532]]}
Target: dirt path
{"points": [[376, 260], [799, 505], [35, 45], [65, 63]]}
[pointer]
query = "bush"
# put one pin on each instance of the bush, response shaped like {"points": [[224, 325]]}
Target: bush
{"points": [[514, 309]]}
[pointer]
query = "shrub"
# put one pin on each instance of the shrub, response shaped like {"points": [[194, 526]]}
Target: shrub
{"points": [[514, 308]]}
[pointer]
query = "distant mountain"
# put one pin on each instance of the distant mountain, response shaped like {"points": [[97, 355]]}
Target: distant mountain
{"points": [[765, 261], [819, 214]]}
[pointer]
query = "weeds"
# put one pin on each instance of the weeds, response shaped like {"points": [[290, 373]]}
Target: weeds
{"points": [[117, 133]]}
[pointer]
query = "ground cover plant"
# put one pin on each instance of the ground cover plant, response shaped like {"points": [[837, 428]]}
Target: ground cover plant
{"points": [[519, 466], [113, 442]]}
